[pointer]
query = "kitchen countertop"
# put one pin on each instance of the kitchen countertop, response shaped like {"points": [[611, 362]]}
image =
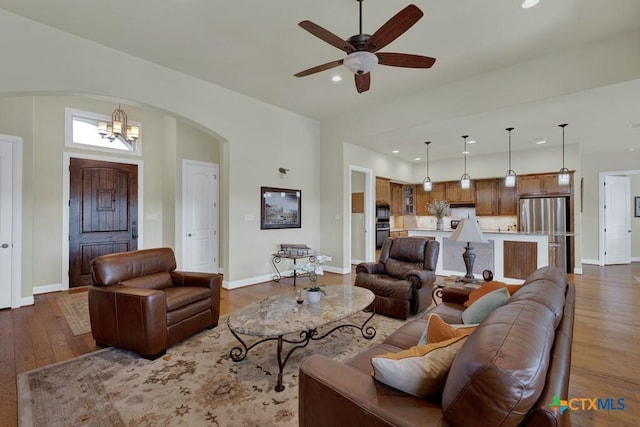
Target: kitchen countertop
{"points": [[493, 231]]}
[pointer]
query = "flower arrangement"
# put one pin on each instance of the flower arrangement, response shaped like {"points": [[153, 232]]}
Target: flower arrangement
{"points": [[439, 208], [314, 268]]}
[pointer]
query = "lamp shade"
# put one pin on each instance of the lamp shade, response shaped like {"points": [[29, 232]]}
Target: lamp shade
{"points": [[468, 231]]}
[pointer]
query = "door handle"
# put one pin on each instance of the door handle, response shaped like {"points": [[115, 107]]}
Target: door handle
{"points": [[4, 246], [189, 235]]}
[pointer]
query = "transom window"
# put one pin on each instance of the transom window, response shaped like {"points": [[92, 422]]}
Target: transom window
{"points": [[81, 129]]}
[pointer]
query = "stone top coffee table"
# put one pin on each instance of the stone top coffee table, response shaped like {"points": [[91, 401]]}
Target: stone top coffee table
{"points": [[281, 315]]}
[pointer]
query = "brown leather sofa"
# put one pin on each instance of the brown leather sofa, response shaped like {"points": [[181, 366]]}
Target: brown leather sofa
{"points": [[507, 372], [402, 279], [137, 301]]}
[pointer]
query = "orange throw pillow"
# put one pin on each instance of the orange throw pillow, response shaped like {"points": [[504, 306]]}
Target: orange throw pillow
{"points": [[438, 330], [489, 287]]}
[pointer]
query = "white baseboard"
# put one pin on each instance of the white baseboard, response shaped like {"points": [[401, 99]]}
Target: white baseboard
{"points": [[591, 261], [226, 284], [577, 270], [337, 270], [48, 288], [26, 301]]}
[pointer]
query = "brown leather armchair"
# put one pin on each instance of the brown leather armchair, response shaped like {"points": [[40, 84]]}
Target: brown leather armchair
{"points": [[403, 277], [137, 301]]}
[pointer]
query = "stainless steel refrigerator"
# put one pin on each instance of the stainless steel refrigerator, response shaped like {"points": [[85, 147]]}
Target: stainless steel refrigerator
{"points": [[550, 216]]}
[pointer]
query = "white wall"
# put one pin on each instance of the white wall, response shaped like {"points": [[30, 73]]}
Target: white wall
{"points": [[257, 137]]}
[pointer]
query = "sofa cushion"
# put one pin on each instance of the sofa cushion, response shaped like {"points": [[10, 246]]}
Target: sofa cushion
{"points": [[151, 281], [420, 370], [184, 295], [437, 330], [485, 305], [501, 371]]}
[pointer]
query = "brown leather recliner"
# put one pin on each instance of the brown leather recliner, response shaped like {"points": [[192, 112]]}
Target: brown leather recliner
{"points": [[137, 301], [403, 277]]}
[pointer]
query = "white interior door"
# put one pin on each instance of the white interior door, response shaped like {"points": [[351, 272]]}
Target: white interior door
{"points": [[200, 216], [6, 223], [617, 214]]}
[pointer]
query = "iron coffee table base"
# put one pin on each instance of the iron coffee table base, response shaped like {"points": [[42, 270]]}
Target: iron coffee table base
{"points": [[239, 353]]}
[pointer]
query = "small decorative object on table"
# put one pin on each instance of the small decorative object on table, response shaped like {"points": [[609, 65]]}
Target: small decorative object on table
{"points": [[439, 208], [487, 275], [314, 268]]}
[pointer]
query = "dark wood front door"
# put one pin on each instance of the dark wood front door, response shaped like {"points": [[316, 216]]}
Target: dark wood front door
{"points": [[103, 213]]}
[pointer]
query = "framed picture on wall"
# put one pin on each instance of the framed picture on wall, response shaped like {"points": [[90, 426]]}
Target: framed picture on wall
{"points": [[280, 208], [637, 206]]}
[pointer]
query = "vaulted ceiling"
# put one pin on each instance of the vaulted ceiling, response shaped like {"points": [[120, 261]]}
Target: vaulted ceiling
{"points": [[255, 47]]}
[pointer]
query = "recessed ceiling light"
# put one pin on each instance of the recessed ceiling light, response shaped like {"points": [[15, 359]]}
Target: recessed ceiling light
{"points": [[472, 141], [631, 150], [526, 4], [395, 151], [465, 152], [541, 141], [634, 125], [336, 78], [417, 159]]}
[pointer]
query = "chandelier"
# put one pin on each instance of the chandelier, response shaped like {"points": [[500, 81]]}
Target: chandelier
{"points": [[118, 127]]}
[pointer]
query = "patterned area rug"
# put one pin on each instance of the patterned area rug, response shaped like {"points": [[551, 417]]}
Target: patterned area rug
{"points": [[75, 308], [194, 384]]}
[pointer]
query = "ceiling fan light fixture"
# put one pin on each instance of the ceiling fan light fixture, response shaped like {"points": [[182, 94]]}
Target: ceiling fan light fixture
{"points": [[526, 4], [360, 62]]}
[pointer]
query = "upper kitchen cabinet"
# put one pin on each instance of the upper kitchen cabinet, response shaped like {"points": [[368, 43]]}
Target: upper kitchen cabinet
{"points": [[507, 199], [396, 199], [542, 185], [383, 191], [486, 197], [408, 199], [421, 200], [457, 195]]}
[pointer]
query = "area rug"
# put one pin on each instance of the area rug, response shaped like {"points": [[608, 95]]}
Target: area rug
{"points": [[75, 308], [195, 384]]}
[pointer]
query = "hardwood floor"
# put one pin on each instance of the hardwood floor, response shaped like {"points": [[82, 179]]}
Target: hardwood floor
{"points": [[605, 356]]}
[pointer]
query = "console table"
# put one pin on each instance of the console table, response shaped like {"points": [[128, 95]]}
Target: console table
{"points": [[293, 252]]}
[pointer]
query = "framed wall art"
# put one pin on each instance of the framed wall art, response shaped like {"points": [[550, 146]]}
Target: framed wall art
{"points": [[636, 203], [280, 208]]}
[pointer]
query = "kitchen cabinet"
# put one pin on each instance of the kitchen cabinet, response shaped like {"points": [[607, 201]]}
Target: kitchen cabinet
{"points": [[403, 233], [438, 192], [507, 199], [457, 195], [396, 199], [421, 200], [383, 191], [542, 185], [486, 197], [407, 199]]}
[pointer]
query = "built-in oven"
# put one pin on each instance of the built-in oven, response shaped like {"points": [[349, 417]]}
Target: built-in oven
{"points": [[382, 232]]}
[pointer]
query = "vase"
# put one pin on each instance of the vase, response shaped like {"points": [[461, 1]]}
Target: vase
{"points": [[439, 224], [313, 296]]}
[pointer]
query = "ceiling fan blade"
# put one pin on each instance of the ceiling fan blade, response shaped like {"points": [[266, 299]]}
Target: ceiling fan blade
{"points": [[327, 36], [405, 60], [363, 81], [319, 68], [394, 28]]}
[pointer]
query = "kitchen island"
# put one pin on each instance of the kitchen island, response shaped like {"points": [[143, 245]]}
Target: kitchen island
{"points": [[511, 256]]}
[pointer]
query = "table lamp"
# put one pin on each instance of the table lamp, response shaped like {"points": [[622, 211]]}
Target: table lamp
{"points": [[468, 231]]}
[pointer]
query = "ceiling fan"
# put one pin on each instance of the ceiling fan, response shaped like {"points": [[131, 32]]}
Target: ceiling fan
{"points": [[362, 49]]}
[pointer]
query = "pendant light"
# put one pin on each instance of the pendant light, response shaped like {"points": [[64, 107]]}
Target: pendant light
{"points": [[427, 185], [510, 176], [563, 176], [465, 179]]}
